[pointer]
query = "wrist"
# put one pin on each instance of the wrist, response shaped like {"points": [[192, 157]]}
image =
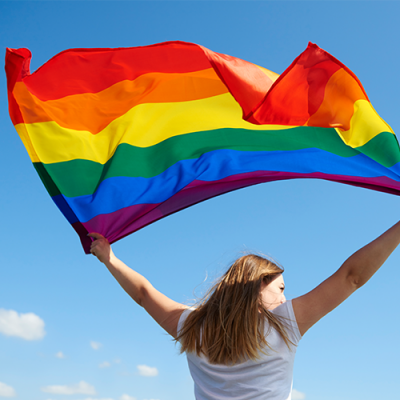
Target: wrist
{"points": [[111, 260]]}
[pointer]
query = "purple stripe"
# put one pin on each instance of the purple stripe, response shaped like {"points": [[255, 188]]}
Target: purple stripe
{"points": [[121, 223], [117, 225]]}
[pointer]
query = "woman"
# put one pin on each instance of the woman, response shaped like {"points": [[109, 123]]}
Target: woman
{"points": [[241, 340]]}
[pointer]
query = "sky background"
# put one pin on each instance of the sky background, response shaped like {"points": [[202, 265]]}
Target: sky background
{"points": [[72, 329]]}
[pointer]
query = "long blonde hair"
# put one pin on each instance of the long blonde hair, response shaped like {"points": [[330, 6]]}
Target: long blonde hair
{"points": [[228, 324]]}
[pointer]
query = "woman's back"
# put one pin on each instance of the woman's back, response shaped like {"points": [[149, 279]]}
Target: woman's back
{"points": [[269, 377], [234, 324]]}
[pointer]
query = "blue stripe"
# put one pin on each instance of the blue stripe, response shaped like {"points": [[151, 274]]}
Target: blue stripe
{"points": [[120, 192]]}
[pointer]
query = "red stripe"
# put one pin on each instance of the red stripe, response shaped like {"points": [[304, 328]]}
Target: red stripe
{"points": [[299, 91], [78, 71], [246, 82], [17, 67]]}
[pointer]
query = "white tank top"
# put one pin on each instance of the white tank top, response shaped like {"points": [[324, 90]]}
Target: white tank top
{"points": [[268, 378]]}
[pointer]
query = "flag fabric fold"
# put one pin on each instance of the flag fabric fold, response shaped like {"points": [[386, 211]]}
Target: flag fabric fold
{"points": [[124, 137]]}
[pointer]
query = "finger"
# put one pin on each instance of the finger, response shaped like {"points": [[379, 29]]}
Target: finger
{"points": [[96, 235], [93, 247]]}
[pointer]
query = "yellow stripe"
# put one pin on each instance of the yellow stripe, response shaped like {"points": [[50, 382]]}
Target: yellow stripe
{"points": [[26, 140], [365, 124], [144, 125]]}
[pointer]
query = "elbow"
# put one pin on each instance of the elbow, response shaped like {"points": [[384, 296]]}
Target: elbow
{"points": [[142, 295], [353, 274], [137, 294], [355, 280]]}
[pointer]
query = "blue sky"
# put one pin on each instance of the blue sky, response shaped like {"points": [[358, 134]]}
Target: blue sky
{"points": [[82, 333]]}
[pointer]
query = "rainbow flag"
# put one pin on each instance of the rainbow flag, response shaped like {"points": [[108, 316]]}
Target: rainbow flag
{"points": [[124, 137]]}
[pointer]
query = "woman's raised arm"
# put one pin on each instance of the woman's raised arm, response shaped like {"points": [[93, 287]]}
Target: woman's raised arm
{"points": [[354, 273], [166, 312]]}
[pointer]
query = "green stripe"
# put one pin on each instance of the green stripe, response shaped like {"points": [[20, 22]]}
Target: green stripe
{"points": [[383, 148], [81, 177], [46, 178]]}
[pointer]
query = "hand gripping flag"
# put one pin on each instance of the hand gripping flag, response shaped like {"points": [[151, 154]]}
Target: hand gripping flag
{"points": [[124, 137]]}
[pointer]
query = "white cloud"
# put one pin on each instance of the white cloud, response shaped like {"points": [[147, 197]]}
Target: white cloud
{"points": [[104, 364], [90, 398], [117, 361], [81, 388], [296, 395], [26, 326], [60, 354], [145, 370], [95, 345], [6, 391], [127, 397]]}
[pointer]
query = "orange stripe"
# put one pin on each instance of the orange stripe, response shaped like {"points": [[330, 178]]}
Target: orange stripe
{"points": [[94, 111], [337, 108]]}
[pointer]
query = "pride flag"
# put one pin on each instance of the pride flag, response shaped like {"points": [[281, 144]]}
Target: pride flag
{"points": [[124, 137]]}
